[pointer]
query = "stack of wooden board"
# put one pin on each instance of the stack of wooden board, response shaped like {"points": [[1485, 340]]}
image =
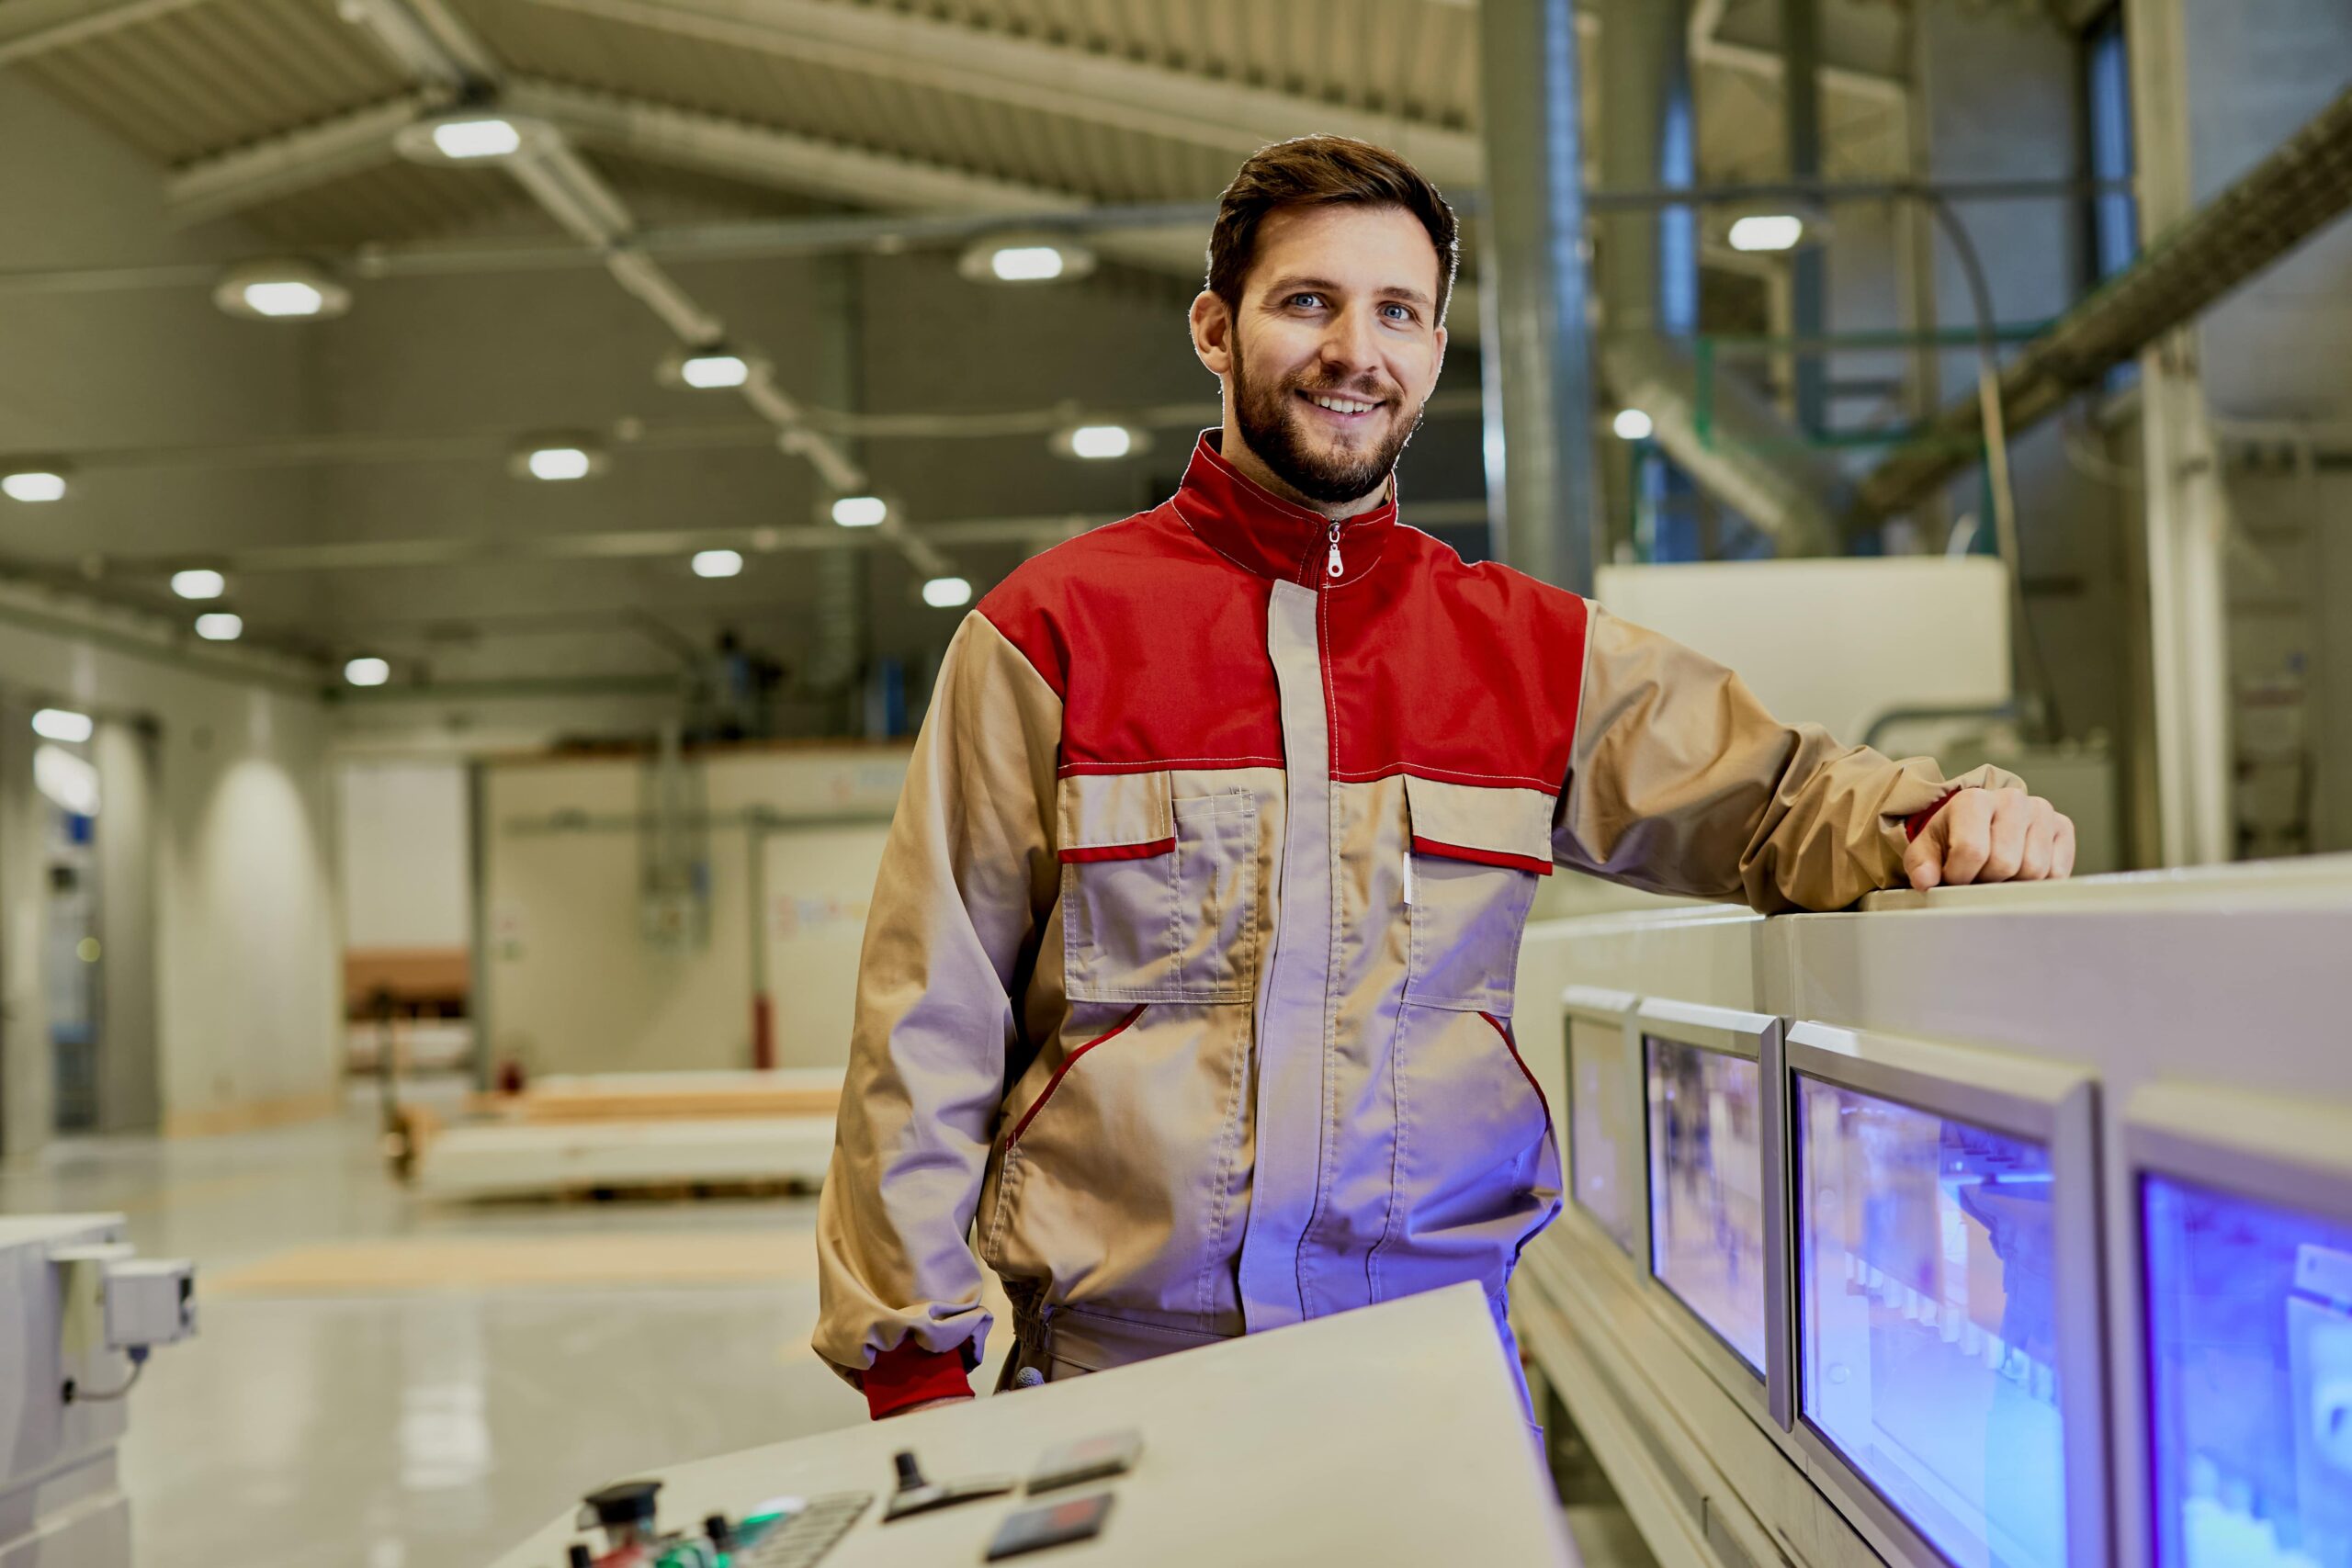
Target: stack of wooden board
{"points": [[638, 1132]]}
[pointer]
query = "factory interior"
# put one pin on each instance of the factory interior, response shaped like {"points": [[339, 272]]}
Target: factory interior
{"points": [[488, 491]]}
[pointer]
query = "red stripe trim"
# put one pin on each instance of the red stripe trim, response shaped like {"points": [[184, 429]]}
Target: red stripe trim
{"points": [[1083, 854], [1513, 1046], [1482, 857], [1070, 1061], [907, 1374]]}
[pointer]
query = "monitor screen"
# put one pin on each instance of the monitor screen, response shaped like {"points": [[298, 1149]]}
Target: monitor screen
{"points": [[1706, 1187], [1926, 1321], [2249, 1360], [1601, 1102]]}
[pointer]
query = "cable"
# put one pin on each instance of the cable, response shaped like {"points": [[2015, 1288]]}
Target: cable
{"points": [[74, 1393], [1996, 447]]}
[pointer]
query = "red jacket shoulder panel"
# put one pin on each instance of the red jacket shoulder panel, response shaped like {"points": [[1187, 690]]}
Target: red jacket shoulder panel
{"points": [[1155, 643], [1467, 673]]}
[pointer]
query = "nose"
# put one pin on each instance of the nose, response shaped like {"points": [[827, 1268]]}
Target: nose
{"points": [[1347, 351]]}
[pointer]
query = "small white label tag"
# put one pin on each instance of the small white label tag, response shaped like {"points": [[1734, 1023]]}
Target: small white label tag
{"points": [[1408, 874]]}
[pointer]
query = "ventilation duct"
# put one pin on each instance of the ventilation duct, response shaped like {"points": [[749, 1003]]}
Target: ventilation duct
{"points": [[1744, 452]]}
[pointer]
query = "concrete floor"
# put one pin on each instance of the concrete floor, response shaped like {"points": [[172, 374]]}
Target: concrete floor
{"points": [[340, 1408], [380, 1382]]}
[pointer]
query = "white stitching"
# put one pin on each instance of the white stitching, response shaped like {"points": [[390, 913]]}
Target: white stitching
{"points": [[1194, 530]]}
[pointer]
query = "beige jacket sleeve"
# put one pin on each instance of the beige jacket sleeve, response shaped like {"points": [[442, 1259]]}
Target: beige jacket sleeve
{"points": [[966, 881], [1680, 783]]}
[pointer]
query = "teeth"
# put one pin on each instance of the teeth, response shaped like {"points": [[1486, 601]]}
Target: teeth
{"points": [[1341, 405]]}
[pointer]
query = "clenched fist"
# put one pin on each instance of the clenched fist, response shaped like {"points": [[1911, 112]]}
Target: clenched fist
{"points": [[1991, 835]]}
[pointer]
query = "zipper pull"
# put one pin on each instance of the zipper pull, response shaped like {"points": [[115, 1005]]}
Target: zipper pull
{"points": [[1334, 566]]}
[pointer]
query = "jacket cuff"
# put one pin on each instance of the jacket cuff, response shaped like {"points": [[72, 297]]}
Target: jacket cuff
{"points": [[1917, 823], [907, 1374]]}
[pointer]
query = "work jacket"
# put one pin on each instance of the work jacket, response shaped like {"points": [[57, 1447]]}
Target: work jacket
{"points": [[1187, 985]]}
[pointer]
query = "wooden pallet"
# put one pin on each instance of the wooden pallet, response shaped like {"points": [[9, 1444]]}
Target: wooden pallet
{"points": [[676, 1157], [648, 1097]]}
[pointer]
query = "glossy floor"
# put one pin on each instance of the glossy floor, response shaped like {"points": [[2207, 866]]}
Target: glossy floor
{"points": [[382, 1382]]}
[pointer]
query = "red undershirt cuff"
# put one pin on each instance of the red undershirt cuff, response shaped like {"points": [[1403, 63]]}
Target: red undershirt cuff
{"points": [[1917, 823], [907, 1374]]}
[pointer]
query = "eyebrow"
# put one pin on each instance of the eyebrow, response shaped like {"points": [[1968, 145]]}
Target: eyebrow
{"points": [[1324, 285]]}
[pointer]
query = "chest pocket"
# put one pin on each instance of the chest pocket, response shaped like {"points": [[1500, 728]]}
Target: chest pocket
{"points": [[1159, 896], [1471, 862]]}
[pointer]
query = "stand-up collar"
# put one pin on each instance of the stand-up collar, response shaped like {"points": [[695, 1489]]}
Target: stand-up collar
{"points": [[1242, 520]]}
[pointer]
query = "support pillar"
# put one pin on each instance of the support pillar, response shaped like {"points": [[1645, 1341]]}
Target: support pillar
{"points": [[2187, 504], [1537, 350], [1809, 267]]}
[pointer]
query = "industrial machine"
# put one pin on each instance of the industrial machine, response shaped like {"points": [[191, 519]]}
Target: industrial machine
{"points": [[1393, 1434], [80, 1313], [2002, 1228]]}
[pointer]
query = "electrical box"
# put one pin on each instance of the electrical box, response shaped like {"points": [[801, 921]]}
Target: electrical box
{"points": [[149, 1300]]}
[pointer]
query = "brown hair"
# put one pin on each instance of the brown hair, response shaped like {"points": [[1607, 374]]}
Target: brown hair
{"points": [[1323, 170]]}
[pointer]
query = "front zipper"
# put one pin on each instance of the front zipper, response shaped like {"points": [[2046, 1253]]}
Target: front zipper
{"points": [[1334, 567]]}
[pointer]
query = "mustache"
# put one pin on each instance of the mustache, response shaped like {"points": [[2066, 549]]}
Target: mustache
{"points": [[1363, 390]]}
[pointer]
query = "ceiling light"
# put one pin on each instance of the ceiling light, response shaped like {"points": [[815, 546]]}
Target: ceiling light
{"points": [[281, 288], [717, 563], [709, 370], [1101, 440], [1025, 258], [559, 463], [1766, 231], [367, 671], [557, 455], [69, 781], [1631, 425], [199, 583], [476, 137], [63, 724], [33, 484], [219, 626], [861, 510], [946, 593]]}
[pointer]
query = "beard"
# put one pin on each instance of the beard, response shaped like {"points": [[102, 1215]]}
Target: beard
{"points": [[1274, 426]]}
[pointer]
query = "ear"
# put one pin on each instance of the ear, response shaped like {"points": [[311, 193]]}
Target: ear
{"points": [[1213, 332], [1437, 360]]}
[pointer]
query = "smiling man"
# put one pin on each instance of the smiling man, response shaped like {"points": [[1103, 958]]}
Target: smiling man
{"points": [[1187, 993]]}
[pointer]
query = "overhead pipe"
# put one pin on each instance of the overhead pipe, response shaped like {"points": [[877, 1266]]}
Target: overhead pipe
{"points": [[1747, 455], [2298, 189]]}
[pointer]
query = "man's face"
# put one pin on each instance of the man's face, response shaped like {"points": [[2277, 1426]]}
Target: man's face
{"points": [[1335, 348]]}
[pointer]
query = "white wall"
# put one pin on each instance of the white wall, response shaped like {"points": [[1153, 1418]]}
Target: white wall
{"points": [[572, 983], [405, 837], [246, 919]]}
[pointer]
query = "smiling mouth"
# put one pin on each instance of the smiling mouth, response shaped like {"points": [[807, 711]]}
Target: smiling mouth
{"points": [[1343, 407]]}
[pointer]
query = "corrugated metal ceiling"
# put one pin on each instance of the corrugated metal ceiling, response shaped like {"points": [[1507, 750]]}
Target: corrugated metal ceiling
{"points": [[215, 75]]}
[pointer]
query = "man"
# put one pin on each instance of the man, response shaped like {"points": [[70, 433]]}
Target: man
{"points": [[1186, 991]]}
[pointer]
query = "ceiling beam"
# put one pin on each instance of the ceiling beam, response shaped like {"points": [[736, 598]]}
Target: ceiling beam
{"points": [[684, 138], [298, 160], [31, 27], [1029, 72]]}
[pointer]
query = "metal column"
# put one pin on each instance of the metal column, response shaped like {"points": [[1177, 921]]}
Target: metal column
{"points": [[1537, 350], [1809, 267], [2186, 509]]}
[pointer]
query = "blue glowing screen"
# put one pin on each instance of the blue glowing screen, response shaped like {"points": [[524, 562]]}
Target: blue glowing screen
{"points": [[1707, 1188], [1601, 1102], [1926, 1323], [2249, 1326]]}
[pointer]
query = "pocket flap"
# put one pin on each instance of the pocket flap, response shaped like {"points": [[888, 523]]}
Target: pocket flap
{"points": [[1473, 822], [1116, 817]]}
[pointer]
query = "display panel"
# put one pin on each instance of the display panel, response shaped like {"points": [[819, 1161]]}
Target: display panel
{"points": [[1927, 1321], [1601, 1102], [2248, 1313], [1706, 1201]]}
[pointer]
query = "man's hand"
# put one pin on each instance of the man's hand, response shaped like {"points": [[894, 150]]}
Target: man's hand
{"points": [[1991, 835], [927, 1404]]}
